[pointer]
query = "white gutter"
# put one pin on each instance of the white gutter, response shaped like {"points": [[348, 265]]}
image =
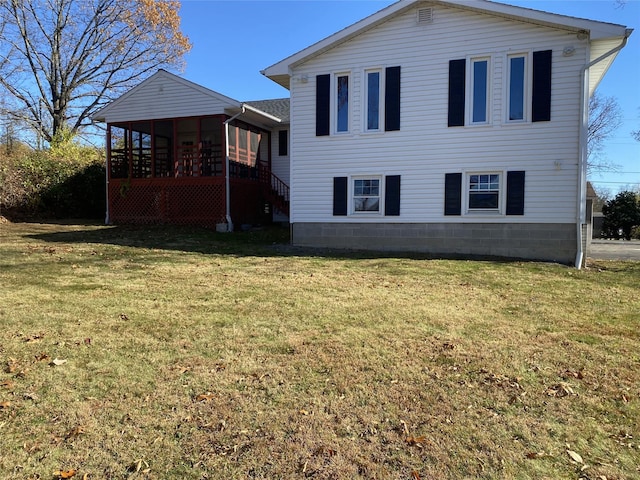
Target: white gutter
{"points": [[226, 178], [582, 157]]}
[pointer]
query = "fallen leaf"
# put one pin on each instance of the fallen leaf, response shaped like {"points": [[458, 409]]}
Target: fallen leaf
{"points": [[87, 341], [303, 412], [4, 405], [34, 337], [6, 384], [574, 456], [85, 476], [415, 475], [534, 455], [12, 366], [205, 397], [324, 450], [123, 316], [74, 432], [421, 440], [41, 357], [57, 362], [65, 473]]}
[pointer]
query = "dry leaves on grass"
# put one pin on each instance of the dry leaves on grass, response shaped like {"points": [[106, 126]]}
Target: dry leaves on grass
{"points": [[560, 390], [575, 456], [205, 397], [416, 441], [65, 473]]}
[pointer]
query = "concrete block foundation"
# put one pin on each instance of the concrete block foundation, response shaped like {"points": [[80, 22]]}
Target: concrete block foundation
{"points": [[531, 241]]}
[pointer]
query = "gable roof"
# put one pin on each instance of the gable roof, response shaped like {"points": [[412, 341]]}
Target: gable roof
{"points": [[138, 104], [228, 102], [599, 32]]}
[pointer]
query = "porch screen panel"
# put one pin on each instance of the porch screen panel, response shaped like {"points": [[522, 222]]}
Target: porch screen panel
{"points": [[141, 150], [163, 143], [211, 147], [187, 163], [119, 151]]}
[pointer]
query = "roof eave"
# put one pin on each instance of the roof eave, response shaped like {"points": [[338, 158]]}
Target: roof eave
{"points": [[280, 72]]}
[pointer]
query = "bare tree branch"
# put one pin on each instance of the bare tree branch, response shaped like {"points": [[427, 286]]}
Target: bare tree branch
{"points": [[605, 117], [61, 60]]}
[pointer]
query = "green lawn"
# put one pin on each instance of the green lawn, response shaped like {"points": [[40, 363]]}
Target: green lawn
{"points": [[130, 352]]}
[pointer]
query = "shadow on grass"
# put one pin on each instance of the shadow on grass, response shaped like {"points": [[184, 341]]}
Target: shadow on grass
{"points": [[169, 237], [264, 241]]}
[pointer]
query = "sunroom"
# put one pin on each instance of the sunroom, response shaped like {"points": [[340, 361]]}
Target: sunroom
{"points": [[211, 168]]}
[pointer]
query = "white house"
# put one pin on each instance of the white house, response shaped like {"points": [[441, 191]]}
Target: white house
{"points": [[450, 127]]}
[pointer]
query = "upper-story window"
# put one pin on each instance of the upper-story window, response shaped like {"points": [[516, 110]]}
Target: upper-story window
{"points": [[373, 100], [479, 90], [342, 103], [380, 91], [517, 87], [526, 95]]}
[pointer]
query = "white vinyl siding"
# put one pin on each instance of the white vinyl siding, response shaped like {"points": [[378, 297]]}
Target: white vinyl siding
{"points": [[166, 97], [425, 148]]}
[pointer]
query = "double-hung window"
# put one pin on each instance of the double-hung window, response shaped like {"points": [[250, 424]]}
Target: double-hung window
{"points": [[484, 192], [374, 103], [342, 103], [366, 195], [479, 82], [517, 82]]}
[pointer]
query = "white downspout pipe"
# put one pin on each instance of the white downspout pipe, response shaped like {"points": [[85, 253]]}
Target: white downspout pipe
{"points": [[107, 173], [582, 156], [226, 179]]}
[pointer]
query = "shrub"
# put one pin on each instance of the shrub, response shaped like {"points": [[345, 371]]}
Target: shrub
{"points": [[59, 183]]}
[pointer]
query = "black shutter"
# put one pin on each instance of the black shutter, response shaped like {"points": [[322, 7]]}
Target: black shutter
{"points": [[541, 98], [453, 194], [392, 195], [392, 99], [340, 196], [283, 143], [457, 71], [515, 193], [323, 92]]}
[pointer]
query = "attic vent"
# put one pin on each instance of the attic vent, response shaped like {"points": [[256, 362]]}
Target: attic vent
{"points": [[425, 16]]}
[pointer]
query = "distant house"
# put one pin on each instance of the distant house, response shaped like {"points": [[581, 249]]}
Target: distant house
{"points": [[180, 153], [450, 127]]}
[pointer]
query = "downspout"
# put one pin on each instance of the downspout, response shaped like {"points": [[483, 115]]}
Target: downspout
{"points": [[226, 165], [582, 156], [107, 150]]}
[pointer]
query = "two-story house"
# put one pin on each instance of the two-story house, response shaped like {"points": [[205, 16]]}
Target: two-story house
{"points": [[448, 127]]}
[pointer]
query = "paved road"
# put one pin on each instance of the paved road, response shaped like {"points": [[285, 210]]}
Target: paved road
{"points": [[615, 250]]}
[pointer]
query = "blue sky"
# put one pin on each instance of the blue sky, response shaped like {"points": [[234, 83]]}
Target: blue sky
{"points": [[234, 39]]}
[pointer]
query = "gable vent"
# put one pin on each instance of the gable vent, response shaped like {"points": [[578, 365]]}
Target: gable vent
{"points": [[425, 16]]}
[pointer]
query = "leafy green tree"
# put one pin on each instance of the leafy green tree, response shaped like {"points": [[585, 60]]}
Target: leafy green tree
{"points": [[622, 213]]}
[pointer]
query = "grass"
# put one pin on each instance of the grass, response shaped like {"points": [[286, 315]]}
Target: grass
{"points": [[130, 352]]}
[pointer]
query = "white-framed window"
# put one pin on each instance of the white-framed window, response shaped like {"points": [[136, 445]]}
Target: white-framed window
{"points": [[479, 90], [341, 102], [484, 192], [517, 88], [366, 194], [373, 104]]}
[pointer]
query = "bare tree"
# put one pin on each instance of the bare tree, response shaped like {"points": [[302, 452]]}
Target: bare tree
{"points": [[605, 117], [61, 60]]}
